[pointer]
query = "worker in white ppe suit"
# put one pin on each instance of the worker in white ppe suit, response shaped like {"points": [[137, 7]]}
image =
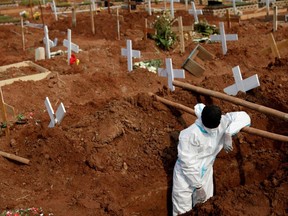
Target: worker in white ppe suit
{"points": [[198, 147]]}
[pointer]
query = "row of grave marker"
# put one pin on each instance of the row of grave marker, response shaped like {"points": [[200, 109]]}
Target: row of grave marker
{"points": [[240, 85], [66, 43], [170, 73]]}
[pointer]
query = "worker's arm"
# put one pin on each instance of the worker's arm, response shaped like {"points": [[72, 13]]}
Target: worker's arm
{"points": [[237, 120]]}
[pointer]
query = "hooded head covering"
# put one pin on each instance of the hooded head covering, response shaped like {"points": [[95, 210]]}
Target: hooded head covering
{"points": [[211, 116]]}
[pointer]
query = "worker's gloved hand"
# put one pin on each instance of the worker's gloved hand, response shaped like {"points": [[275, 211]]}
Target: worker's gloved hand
{"points": [[200, 194], [228, 143]]}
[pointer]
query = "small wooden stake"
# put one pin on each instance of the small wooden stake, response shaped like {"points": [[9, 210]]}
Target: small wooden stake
{"points": [[118, 24], [228, 18], [274, 47], [4, 116], [22, 32], [14, 157], [73, 16], [41, 13], [109, 7], [30, 4], [92, 19], [145, 29], [275, 14], [180, 30], [182, 45]]}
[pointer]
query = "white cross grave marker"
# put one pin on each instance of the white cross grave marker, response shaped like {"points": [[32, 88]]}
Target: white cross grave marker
{"points": [[170, 73], [93, 5], [70, 46], [55, 118], [195, 12], [149, 8], [223, 38], [240, 84], [130, 54], [172, 8], [49, 43], [54, 8]]}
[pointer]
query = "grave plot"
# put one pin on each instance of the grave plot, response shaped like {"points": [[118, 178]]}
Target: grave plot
{"points": [[22, 71], [114, 151]]}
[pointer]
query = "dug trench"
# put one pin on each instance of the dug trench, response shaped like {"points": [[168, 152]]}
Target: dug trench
{"points": [[118, 160]]}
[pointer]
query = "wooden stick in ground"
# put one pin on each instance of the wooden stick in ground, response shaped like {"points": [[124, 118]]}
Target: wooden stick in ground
{"points": [[30, 4], [22, 33], [109, 11], [275, 14], [182, 45], [92, 19], [232, 99], [15, 157], [118, 24], [249, 130], [4, 116], [145, 29], [41, 13], [74, 16], [228, 18]]}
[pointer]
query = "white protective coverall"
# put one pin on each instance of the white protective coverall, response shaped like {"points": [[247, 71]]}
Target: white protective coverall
{"points": [[197, 149]]}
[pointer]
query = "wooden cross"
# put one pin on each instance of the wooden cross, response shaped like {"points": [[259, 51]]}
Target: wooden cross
{"points": [[275, 47], [240, 84], [230, 18], [130, 54], [195, 12], [223, 38], [180, 29], [170, 73], [58, 116], [70, 46], [147, 30]]}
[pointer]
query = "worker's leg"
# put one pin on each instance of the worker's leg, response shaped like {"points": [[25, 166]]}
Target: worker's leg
{"points": [[181, 194]]}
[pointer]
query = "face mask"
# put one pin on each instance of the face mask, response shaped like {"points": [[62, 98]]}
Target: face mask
{"points": [[211, 131]]}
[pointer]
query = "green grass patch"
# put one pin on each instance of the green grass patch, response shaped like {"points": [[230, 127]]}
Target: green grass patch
{"points": [[228, 5], [6, 3], [27, 2], [8, 19], [68, 4]]}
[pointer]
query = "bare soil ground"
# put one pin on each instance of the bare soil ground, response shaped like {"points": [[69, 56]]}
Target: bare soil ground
{"points": [[114, 152]]}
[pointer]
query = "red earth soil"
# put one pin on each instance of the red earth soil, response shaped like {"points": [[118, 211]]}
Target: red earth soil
{"points": [[114, 151]]}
